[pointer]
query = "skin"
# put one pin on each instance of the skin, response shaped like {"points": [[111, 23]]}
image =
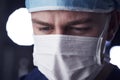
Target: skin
{"points": [[77, 24], [68, 23]]}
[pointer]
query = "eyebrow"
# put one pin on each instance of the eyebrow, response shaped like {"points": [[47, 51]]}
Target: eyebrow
{"points": [[41, 22], [81, 21], [88, 20]]}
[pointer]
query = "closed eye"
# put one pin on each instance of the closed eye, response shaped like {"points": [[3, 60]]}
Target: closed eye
{"points": [[80, 29], [45, 28]]}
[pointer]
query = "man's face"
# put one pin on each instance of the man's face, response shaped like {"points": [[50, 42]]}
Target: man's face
{"points": [[68, 23]]}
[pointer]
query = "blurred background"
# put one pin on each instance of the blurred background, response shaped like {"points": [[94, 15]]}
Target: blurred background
{"points": [[16, 60]]}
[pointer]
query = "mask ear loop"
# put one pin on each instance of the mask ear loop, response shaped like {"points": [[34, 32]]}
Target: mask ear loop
{"points": [[99, 44], [106, 52]]}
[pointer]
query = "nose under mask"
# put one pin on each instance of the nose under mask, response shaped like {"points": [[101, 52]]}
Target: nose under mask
{"points": [[65, 57]]}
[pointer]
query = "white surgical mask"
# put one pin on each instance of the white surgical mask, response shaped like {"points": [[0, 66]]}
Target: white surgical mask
{"points": [[65, 57]]}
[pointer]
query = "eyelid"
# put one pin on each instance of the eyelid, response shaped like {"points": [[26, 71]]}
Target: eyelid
{"points": [[46, 30], [45, 27], [80, 28]]}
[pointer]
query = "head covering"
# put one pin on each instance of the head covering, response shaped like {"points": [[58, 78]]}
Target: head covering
{"points": [[101, 6]]}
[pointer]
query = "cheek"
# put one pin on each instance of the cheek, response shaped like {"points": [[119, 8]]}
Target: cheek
{"points": [[35, 31], [94, 32], [97, 31], [99, 28]]}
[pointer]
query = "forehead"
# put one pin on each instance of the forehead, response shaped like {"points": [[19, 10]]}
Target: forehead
{"points": [[68, 15]]}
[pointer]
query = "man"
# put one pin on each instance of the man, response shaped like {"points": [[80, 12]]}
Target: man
{"points": [[69, 39]]}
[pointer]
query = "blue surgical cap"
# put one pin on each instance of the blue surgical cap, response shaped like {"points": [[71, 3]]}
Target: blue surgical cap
{"points": [[101, 6]]}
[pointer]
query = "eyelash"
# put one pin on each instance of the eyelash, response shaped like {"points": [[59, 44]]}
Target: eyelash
{"points": [[46, 28], [80, 29]]}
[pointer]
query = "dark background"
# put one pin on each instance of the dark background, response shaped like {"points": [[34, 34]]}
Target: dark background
{"points": [[15, 59]]}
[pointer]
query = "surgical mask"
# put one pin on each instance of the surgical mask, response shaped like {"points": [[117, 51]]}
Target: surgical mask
{"points": [[67, 57]]}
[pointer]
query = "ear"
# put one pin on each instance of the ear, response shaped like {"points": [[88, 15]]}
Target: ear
{"points": [[114, 25]]}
